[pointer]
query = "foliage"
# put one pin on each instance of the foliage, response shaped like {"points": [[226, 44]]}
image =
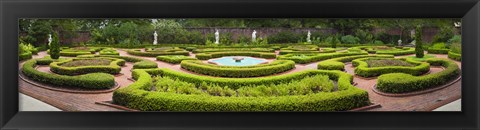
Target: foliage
{"points": [[137, 96], [284, 37], [138, 52], [418, 42], [55, 47], [455, 56], [88, 81], [139, 63], [349, 39], [210, 55], [276, 66], [362, 68], [108, 51], [338, 63], [401, 83], [174, 59], [308, 58], [86, 67]]}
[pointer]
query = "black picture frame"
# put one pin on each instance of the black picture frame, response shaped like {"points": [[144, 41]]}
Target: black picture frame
{"points": [[12, 10]]}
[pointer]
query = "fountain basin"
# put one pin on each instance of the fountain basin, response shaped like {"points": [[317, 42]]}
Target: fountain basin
{"points": [[237, 61]]}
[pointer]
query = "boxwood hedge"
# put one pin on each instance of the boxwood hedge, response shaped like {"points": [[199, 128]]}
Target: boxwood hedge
{"points": [[455, 56], [139, 63], [108, 51], [308, 58], [204, 50], [174, 59], [24, 56], [338, 63], [401, 83], [206, 56], [113, 68], [277, 66], [438, 50], [138, 95], [89, 81], [139, 52], [362, 68], [397, 52]]}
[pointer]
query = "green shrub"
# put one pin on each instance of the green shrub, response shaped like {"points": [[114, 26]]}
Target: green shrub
{"points": [[139, 63], [206, 56], [174, 59], [89, 81], [455, 56], [438, 48], [108, 51], [277, 66], [349, 39], [418, 42], [74, 54], [204, 50], [138, 96], [113, 68], [138, 52], [190, 48], [308, 58], [397, 52], [284, 37], [362, 68], [24, 56], [55, 47], [401, 83], [338, 63]]}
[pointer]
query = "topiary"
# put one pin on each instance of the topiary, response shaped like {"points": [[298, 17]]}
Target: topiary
{"points": [[418, 42], [55, 47]]}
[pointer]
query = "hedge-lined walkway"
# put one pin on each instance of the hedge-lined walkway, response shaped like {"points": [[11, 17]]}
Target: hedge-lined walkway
{"points": [[86, 102]]}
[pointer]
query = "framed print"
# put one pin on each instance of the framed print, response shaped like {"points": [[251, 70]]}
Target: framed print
{"points": [[239, 64]]}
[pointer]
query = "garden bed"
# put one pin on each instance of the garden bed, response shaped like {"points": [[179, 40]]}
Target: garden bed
{"points": [[362, 67]]}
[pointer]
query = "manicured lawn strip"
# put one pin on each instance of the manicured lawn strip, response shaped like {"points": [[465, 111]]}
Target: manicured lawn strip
{"points": [[174, 59], [138, 96], [401, 83], [206, 56], [308, 58], [362, 69], [455, 56], [138, 52], [89, 81], [139, 63], [113, 68], [339, 63], [277, 66]]}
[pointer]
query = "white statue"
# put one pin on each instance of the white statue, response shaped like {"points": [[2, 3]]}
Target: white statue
{"points": [[217, 36], [49, 39], [399, 42], [254, 36], [308, 37], [155, 38]]}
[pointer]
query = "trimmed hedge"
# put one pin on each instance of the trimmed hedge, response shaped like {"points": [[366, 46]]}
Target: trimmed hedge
{"points": [[138, 96], [398, 52], [113, 68], [362, 69], [24, 56], [74, 53], [89, 81], [455, 56], [277, 66], [308, 58], [338, 63], [108, 51], [139, 52], [206, 56], [204, 50], [139, 63], [438, 51], [174, 59], [402, 83]]}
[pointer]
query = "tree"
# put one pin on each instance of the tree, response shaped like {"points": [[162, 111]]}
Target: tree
{"points": [[418, 42], [55, 47]]}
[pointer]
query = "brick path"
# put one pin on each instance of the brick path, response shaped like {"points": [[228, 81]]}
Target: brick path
{"points": [[86, 102]]}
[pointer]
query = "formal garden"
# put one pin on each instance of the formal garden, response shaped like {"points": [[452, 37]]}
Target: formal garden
{"points": [[191, 65]]}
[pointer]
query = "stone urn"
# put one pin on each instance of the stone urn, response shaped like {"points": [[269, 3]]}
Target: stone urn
{"points": [[238, 59]]}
